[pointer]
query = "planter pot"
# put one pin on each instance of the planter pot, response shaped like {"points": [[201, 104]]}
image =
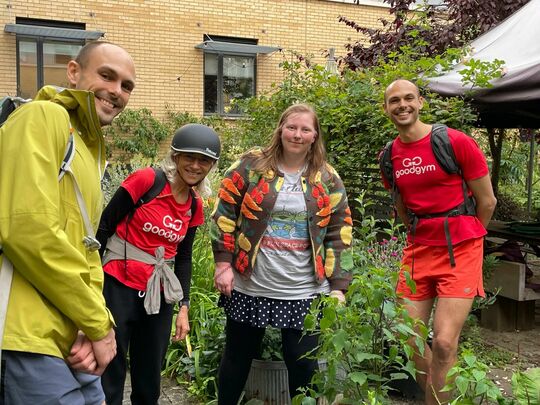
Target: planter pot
{"points": [[268, 381]]}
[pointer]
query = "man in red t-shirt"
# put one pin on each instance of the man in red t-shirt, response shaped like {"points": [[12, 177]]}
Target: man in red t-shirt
{"points": [[425, 188]]}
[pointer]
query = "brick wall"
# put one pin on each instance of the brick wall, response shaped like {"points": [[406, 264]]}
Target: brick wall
{"points": [[161, 35]]}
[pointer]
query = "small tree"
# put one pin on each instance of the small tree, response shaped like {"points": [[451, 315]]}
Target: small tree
{"points": [[451, 24], [435, 28]]}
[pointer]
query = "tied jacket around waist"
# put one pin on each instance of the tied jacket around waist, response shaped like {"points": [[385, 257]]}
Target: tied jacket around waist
{"points": [[245, 202]]}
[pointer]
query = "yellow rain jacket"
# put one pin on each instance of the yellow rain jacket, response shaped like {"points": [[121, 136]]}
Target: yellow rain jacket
{"points": [[57, 283]]}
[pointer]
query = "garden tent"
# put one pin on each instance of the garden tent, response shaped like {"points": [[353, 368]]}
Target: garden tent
{"points": [[514, 99]]}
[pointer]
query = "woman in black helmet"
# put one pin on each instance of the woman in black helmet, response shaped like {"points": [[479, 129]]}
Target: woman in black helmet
{"points": [[147, 223]]}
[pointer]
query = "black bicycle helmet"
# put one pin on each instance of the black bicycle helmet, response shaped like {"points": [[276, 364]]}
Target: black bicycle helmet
{"points": [[197, 138]]}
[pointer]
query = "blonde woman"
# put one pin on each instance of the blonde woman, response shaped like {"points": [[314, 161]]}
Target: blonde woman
{"points": [[281, 236], [140, 237]]}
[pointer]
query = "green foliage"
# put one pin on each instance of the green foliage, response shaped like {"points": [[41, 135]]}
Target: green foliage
{"points": [[479, 73], [136, 132], [199, 371], [117, 172], [365, 342], [469, 380], [350, 108], [271, 345], [526, 386]]}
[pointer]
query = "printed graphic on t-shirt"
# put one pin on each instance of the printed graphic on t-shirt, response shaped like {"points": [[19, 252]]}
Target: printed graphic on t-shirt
{"points": [[414, 166], [287, 229], [169, 229]]}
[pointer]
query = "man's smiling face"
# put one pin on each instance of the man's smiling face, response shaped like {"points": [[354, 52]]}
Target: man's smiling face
{"points": [[403, 103], [109, 73]]}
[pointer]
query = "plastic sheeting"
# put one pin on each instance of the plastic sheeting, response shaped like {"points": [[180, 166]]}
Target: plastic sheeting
{"points": [[514, 99]]}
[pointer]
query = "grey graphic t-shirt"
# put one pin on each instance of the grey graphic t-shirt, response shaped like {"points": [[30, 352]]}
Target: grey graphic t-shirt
{"points": [[284, 268]]}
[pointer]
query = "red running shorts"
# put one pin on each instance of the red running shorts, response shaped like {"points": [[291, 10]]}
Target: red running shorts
{"points": [[433, 275]]}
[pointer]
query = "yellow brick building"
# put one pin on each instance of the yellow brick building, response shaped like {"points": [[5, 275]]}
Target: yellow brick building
{"points": [[193, 55]]}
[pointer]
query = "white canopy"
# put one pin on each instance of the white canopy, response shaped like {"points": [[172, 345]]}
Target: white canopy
{"points": [[514, 99]]}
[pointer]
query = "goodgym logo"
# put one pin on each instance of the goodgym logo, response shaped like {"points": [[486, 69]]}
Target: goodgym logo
{"points": [[169, 232], [414, 166]]}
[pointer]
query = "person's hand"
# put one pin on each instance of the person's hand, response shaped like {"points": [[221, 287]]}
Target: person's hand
{"points": [[104, 351], [339, 295], [182, 324], [224, 278], [81, 356]]}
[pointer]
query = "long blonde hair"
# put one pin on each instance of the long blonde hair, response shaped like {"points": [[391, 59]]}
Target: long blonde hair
{"points": [[271, 154], [169, 167]]}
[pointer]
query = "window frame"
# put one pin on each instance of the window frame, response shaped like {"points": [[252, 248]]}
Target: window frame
{"points": [[40, 41], [220, 55]]}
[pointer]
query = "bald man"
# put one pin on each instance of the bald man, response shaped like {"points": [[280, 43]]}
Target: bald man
{"points": [[444, 265], [56, 314]]}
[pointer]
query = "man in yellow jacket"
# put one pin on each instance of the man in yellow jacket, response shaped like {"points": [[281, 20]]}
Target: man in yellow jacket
{"points": [[56, 314]]}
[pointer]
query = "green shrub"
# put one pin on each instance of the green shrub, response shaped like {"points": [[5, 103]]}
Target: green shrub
{"points": [[135, 132], [198, 371]]}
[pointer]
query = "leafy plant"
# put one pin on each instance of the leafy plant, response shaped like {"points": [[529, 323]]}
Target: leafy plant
{"points": [[197, 366], [365, 342], [469, 380], [135, 132], [526, 386], [271, 345]]}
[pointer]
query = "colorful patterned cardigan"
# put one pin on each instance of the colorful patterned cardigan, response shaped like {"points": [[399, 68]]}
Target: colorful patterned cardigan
{"points": [[241, 213]]}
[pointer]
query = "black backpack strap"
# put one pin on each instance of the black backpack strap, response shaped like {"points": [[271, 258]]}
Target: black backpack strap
{"points": [[387, 170], [193, 203], [160, 180], [7, 106], [443, 150], [385, 163]]}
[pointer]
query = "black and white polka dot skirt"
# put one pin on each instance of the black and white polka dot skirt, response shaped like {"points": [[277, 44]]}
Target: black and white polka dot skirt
{"points": [[261, 312]]}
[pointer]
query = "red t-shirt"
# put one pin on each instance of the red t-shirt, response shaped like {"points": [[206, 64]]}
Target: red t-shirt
{"points": [[426, 188], [160, 222]]}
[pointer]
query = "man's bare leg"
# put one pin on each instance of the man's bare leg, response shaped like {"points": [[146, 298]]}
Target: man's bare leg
{"points": [[420, 310], [450, 315]]}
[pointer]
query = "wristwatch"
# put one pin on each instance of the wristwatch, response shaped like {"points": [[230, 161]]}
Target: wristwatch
{"points": [[184, 303]]}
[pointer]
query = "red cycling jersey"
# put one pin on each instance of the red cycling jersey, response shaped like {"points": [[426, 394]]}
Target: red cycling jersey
{"points": [[426, 188], [160, 222]]}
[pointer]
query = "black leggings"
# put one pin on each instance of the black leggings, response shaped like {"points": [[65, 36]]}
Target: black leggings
{"points": [[145, 337], [243, 344]]}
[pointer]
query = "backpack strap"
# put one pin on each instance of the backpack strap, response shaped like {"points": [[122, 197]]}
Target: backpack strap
{"points": [[69, 155], [385, 163], [6, 271], [443, 150], [6, 277], [160, 179], [193, 203], [387, 170]]}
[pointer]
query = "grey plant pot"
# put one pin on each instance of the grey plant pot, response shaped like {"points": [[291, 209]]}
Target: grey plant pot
{"points": [[268, 382]]}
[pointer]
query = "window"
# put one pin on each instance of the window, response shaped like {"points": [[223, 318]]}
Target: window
{"points": [[44, 48], [42, 62], [228, 75]]}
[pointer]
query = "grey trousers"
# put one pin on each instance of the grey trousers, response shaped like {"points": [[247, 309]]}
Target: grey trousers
{"points": [[37, 379]]}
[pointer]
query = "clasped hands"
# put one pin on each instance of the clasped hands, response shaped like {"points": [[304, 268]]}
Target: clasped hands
{"points": [[92, 357]]}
